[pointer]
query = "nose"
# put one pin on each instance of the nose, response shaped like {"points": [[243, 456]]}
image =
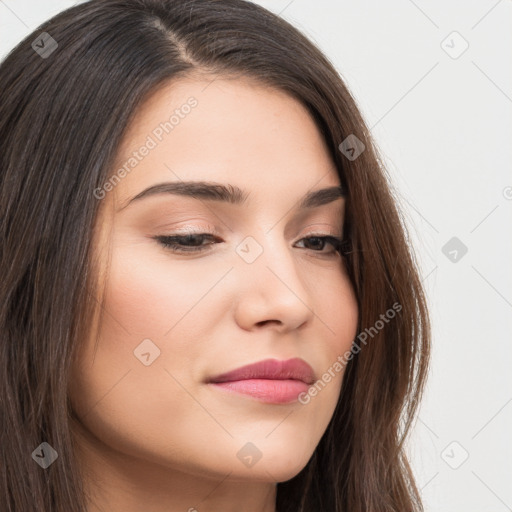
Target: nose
{"points": [[271, 291]]}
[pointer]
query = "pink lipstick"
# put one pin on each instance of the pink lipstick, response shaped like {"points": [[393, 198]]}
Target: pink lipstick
{"points": [[271, 380]]}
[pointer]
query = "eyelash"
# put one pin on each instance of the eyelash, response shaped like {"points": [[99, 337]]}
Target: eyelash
{"points": [[170, 242]]}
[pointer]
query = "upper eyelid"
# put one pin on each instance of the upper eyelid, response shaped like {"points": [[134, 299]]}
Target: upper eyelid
{"points": [[215, 233], [211, 229]]}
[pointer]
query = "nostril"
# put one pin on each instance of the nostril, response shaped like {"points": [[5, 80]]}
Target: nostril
{"points": [[264, 322]]}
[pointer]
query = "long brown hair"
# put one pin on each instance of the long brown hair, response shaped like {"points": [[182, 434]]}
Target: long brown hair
{"points": [[63, 114]]}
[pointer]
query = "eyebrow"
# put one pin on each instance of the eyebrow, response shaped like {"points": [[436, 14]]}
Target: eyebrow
{"points": [[232, 194]]}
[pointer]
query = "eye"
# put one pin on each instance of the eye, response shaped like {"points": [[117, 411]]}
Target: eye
{"points": [[318, 242], [186, 243], [193, 243]]}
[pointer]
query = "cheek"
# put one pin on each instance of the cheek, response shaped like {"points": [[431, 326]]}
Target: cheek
{"points": [[124, 402], [157, 306], [347, 311], [337, 316], [336, 309], [336, 319], [149, 293]]}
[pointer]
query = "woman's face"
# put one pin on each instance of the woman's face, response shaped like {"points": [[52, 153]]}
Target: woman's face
{"points": [[258, 288]]}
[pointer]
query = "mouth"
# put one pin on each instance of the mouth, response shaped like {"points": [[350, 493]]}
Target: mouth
{"points": [[270, 381], [265, 390]]}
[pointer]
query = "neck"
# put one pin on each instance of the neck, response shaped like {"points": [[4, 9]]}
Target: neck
{"points": [[117, 482]]}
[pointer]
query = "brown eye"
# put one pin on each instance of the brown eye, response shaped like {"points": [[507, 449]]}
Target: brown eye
{"points": [[186, 243], [318, 243]]}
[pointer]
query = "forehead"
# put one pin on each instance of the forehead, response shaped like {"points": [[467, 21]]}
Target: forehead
{"points": [[227, 130]]}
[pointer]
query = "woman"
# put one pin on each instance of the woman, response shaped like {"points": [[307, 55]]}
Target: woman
{"points": [[209, 301]]}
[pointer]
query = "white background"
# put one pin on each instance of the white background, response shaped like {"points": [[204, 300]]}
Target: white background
{"points": [[444, 128]]}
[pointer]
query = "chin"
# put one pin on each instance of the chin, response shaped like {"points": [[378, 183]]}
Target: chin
{"points": [[279, 467]]}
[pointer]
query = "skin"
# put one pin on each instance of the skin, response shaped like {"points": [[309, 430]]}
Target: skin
{"points": [[156, 437]]}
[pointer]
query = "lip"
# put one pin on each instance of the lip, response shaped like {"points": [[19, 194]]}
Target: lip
{"points": [[270, 380]]}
